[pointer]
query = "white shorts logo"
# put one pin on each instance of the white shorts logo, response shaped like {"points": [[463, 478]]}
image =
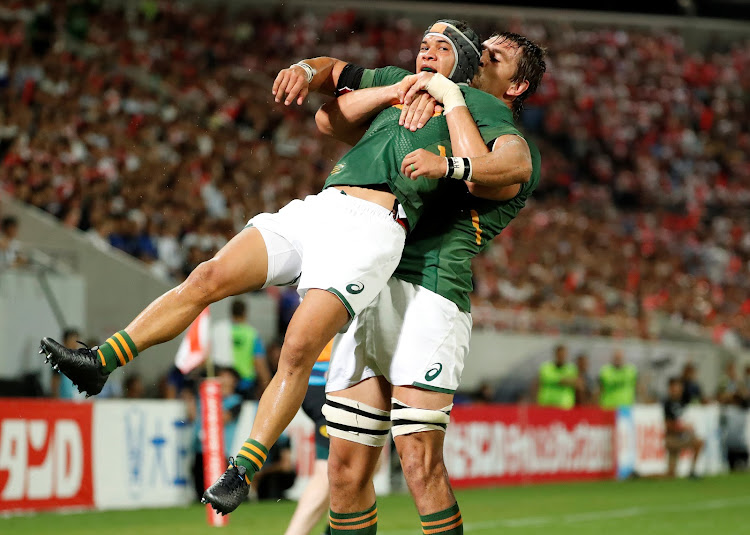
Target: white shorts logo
{"points": [[355, 288], [433, 372]]}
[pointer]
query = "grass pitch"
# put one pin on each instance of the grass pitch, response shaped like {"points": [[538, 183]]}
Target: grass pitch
{"points": [[645, 507]]}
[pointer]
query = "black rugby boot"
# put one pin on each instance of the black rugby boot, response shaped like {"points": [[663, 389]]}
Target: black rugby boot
{"points": [[229, 491], [82, 366]]}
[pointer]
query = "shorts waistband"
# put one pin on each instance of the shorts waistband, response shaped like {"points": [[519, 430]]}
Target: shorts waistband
{"points": [[398, 214]]}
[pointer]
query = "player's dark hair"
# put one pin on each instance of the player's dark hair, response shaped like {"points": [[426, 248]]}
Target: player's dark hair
{"points": [[460, 25], [674, 380], [531, 66], [70, 331], [131, 380], [227, 369], [239, 308], [8, 222]]}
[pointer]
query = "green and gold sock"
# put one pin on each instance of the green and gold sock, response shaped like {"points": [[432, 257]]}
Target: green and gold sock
{"points": [[362, 523], [447, 522], [252, 456], [118, 350]]}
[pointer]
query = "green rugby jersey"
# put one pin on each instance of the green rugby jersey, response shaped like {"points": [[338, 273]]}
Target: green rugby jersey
{"points": [[454, 228], [376, 158]]}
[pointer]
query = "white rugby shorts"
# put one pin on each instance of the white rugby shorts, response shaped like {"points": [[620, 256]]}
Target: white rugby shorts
{"points": [[409, 335], [335, 242]]}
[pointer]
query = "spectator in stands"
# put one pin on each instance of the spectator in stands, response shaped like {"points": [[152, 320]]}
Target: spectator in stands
{"points": [[288, 303], [134, 388], [557, 381], [277, 474], [273, 352], [678, 435], [618, 383], [732, 389], [248, 353], [10, 247], [691, 389], [640, 226], [175, 384], [586, 387], [747, 378], [485, 393]]}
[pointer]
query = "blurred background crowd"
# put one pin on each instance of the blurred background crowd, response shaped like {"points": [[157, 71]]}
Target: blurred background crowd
{"points": [[162, 140]]}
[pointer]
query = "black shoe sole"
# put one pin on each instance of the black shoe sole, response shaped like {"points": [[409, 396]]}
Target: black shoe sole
{"points": [[216, 507], [51, 358]]}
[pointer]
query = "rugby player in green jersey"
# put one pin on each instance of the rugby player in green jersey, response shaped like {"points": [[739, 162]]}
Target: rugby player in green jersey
{"points": [[400, 362], [340, 247]]}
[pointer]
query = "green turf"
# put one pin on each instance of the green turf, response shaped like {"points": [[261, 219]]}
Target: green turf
{"points": [[646, 507]]}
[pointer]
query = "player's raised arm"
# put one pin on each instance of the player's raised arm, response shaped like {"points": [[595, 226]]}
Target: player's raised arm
{"points": [[347, 117], [315, 74]]}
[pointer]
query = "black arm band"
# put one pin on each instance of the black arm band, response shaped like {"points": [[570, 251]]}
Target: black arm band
{"points": [[467, 169], [349, 79]]}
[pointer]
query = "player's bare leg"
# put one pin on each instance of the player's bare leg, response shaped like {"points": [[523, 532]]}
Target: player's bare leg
{"points": [[697, 447], [351, 465], [240, 266], [423, 466], [313, 503], [318, 318]]}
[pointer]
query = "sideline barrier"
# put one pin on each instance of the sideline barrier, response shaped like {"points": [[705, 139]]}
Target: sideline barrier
{"points": [[117, 454], [57, 455], [142, 453], [501, 444], [45, 456], [640, 438]]}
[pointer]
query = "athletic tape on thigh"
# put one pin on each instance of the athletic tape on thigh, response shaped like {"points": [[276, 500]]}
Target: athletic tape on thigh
{"points": [[356, 422], [408, 419]]}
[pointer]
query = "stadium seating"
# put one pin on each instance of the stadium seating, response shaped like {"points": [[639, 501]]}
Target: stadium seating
{"points": [[163, 139]]}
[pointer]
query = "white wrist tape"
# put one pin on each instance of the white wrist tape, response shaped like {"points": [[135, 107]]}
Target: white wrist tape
{"points": [[309, 71], [459, 168], [445, 91]]}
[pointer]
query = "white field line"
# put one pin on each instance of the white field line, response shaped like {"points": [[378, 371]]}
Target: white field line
{"points": [[523, 522]]}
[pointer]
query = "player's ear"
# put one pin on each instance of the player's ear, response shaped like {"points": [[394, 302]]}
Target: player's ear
{"points": [[517, 88]]}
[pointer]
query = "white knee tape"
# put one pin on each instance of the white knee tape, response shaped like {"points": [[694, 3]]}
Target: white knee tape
{"points": [[408, 419], [356, 422]]}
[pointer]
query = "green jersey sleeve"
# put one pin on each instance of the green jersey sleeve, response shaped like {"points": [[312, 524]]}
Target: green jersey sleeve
{"points": [[492, 116], [495, 119]]}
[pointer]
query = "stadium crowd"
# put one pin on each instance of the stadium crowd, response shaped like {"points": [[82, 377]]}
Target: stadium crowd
{"points": [[162, 139]]}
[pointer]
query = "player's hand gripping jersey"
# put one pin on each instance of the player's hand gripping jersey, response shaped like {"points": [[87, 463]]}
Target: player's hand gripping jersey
{"points": [[455, 225], [376, 158], [454, 228]]}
